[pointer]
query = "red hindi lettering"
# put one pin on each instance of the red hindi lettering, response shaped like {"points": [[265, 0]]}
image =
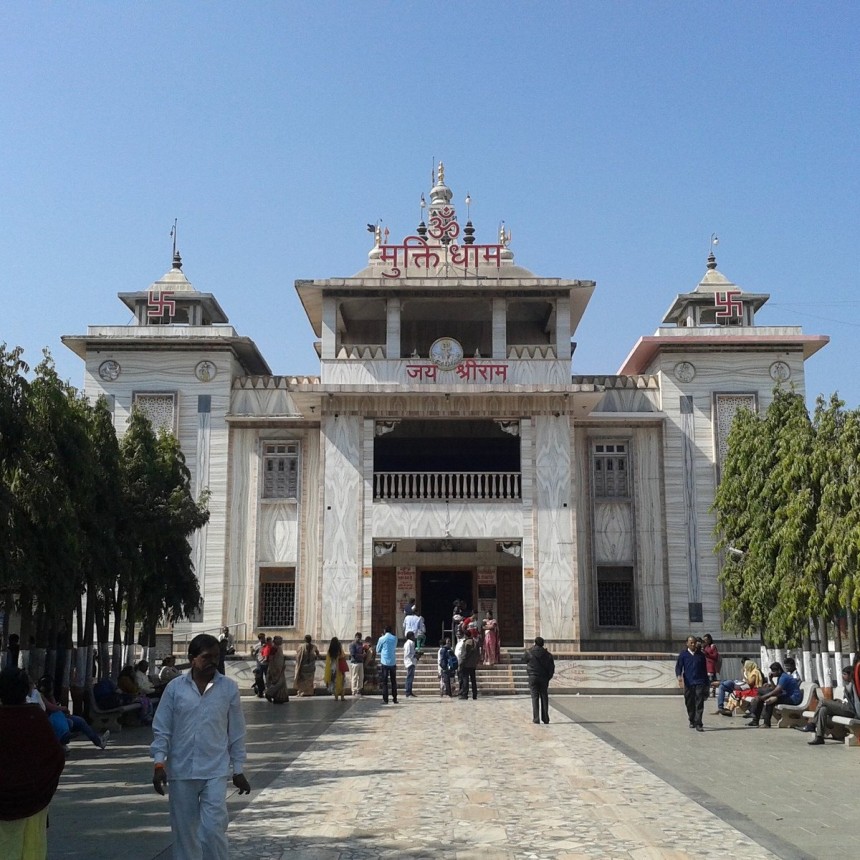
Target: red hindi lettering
{"points": [[492, 252], [391, 254], [460, 255], [419, 250], [466, 370]]}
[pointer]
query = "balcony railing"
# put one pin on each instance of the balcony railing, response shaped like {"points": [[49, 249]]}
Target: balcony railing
{"points": [[443, 486]]}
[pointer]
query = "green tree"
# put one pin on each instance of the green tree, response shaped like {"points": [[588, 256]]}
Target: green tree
{"points": [[794, 493], [833, 576], [45, 514], [14, 405], [745, 513], [163, 515], [789, 501]]}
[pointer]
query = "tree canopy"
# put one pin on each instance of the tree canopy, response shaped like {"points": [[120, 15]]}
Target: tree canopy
{"points": [[85, 518], [788, 519]]}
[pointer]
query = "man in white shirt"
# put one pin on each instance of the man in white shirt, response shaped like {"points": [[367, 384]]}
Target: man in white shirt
{"points": [[199, 732], [414, 623], [409, 663]]}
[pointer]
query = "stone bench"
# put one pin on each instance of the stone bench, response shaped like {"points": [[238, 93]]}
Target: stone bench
{"points": [[841, 728], [851, 727], [109, 718], [789, 716]]}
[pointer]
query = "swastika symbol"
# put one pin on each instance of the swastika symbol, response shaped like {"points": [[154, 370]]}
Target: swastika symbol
{"points": [[161, 304], [728, 304]]}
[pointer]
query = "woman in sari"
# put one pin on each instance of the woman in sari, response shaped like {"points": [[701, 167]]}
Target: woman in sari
{"points": [[335, 667], [745, 688], [491, 640], [276, 674], [306, 655]]}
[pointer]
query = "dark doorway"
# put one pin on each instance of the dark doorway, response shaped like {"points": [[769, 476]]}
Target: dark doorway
{"points": [[439, 590]]}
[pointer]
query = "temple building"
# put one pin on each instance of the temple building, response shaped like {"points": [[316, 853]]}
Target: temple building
{"points": [[445, 450]]}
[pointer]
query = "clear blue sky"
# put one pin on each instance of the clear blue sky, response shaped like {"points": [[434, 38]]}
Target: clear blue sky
{"points": [[613, 138]]}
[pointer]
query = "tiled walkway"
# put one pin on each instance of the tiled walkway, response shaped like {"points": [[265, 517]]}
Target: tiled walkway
{"points": [[474, 779], [610, 777]]}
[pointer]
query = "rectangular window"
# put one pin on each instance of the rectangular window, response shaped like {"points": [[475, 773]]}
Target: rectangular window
{"points": [[615, 599], [280, 470], [609, 470], [277, 597]]}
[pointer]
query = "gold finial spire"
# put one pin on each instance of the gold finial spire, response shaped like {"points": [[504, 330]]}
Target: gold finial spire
{"points": [[441, 174]]}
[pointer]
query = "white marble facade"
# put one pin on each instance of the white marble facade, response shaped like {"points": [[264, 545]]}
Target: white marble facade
{"points": [[669, 405]]}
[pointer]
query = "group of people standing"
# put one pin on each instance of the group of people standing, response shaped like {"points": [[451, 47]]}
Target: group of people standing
{"points": [[270, 670], [483, 632]]}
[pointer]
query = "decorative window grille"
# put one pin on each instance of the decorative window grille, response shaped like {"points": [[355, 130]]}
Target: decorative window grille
{"points": [[280, 470], [160, 409], [609, 470], [277, 598], [615, 597], [726, 406]]}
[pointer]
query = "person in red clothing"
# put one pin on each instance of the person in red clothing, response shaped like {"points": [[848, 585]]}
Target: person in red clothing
{"points": [[31, 761], [713, 662]]}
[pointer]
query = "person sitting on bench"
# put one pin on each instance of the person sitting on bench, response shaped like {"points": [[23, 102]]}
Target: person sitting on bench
{"points": [[848, 707]]}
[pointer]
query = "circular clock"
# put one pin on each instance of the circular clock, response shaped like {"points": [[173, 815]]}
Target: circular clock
{"points": [[446, 353], [109, 370], [684, 371]]}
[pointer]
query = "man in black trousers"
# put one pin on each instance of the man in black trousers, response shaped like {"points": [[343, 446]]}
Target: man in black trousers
{"points": [[691, 670], [540, 667]]}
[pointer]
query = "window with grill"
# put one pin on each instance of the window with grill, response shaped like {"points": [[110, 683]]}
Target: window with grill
{"points": [[609, 470], [615, 599], [280, 470], [159, 408], [277, 598]]}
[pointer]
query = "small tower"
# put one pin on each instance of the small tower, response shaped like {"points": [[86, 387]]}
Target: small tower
{"points": [[715, 301]]}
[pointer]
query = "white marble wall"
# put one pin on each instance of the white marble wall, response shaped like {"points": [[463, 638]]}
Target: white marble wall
{"points": [[342, 546], [373, 372], [616, 674], [554, 532], [738, 372], [437, 519], [624, 532], [652, 575]]}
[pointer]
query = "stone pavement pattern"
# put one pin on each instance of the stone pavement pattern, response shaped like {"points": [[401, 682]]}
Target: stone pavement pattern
{"points": [[475, 779], [618, 777]]}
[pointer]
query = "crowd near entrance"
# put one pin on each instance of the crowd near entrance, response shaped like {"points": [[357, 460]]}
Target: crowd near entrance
{"points": [[434, 590], [436, 595]]}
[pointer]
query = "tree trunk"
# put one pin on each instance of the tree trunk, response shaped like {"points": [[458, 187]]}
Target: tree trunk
{"points": [[851, 627], [117, 634], [102, 624], [826, 677], [808, 657], [26, 602]]}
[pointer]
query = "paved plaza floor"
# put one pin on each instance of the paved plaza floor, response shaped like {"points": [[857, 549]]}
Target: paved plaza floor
{"points": [[619, 777]]}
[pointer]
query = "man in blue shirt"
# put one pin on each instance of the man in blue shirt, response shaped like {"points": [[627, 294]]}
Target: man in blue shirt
{"points": [[786, 692], [691, 670], [386, 649], [199, 733]]}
